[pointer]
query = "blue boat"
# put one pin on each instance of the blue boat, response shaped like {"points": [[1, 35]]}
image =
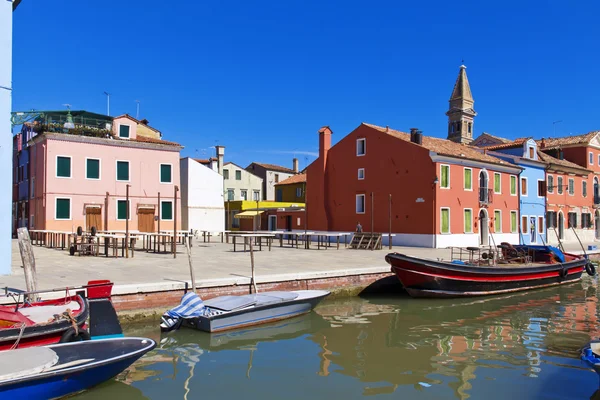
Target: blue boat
{"points": [[54, 371], [591, 355]]}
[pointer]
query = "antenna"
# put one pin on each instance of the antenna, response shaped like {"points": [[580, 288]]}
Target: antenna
{"points": [[554, 126], [107, 103], [68, 106], [137, 112]]}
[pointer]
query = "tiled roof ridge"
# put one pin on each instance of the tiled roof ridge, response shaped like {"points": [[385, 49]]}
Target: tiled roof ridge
{"points": [[275, 167], [298, 178]]}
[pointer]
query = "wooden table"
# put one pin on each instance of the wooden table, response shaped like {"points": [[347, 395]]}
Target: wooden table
{"points": [[154, 240], [111, 241], [257, 237]]}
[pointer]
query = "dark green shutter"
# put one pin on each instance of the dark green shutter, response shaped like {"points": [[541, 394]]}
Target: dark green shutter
{"points": [[165, 173], [63, 209], [166, 210], [121, 209], [63, 167], [122, 170], [124, 131], [93, 169]]}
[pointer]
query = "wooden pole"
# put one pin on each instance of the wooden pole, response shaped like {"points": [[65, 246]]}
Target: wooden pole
{"points": [[106, 212], [159, 210], [252, 279], [390, 221], [192, 275], [28, 259], [176, 189], [127, 221]]}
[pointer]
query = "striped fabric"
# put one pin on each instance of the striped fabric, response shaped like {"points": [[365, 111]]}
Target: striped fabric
{"points": [[191, 306]]}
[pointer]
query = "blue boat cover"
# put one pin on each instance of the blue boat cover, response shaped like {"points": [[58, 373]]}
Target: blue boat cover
{"points": [[191, 306]]}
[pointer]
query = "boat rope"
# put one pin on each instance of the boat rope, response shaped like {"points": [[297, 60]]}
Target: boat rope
{"points": [[69, 317], [23, 326]]}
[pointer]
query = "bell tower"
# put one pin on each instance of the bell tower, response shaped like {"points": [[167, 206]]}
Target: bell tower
{"points": [[461, 113]]}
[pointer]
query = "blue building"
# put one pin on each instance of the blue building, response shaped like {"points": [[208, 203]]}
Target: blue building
{"points": [[531, 187]]}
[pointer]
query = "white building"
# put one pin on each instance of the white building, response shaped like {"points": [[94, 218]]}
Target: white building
{"points": [[202, 206], [6, 28], [271, 175]]}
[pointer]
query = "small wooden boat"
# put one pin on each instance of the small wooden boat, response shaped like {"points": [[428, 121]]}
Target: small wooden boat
{"points": [[59, 370], [483, 271], [591, 355], [26, 324], [232, 312]]}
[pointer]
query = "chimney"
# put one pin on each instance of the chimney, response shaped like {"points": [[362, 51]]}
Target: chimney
{"points": [[543, 144], [416, 136], [324, 144], [220, 154], [295, 163]]}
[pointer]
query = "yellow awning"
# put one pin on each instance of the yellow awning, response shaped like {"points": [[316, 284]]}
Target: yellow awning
{"points": [[248, 214]]}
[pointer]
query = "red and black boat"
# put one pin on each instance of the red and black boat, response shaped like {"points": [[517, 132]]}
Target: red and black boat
{"points": [[478, 271], [37, 323]]}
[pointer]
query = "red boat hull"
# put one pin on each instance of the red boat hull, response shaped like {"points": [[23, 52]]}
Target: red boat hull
{"points": [[430, 278]]}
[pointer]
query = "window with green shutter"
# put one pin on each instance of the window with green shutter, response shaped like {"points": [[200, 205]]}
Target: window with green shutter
{"points": [[497, 221], [63, 167], [468, 221], [513, 221], [122, 210], [166, 210], [513, 185], [122, 170], [468, 179], [445, 182], [497, 187], [445, 220], [124, 131], [63, 208], [165, 173], [92, 168]]}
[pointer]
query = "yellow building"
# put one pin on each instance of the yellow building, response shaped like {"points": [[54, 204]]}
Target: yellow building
{"points": [[291, 189], [239, 212]]}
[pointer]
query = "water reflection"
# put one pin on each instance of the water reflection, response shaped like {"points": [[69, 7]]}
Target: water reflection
{"points": [[522, 345]]}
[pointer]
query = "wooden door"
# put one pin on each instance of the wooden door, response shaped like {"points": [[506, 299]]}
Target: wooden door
{"points": [[146, 220], [93, 218]]}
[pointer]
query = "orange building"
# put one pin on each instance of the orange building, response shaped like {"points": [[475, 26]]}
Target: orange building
{"points": [[430, 192]]}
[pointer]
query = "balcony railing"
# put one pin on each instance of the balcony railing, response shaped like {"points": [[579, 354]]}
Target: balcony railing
{"points": [[486, 195]]}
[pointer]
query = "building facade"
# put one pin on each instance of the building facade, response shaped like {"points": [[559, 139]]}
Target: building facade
{"points": [[271, 175], [292, 189], [83, 179], [239, 184], [202, 205], [531, 187]]}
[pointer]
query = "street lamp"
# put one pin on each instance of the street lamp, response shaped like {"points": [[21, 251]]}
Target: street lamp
{"points": [[107, 103]]}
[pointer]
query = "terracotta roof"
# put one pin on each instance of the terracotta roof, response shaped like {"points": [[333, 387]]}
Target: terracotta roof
{"points": [[273, 167], [548, 159], [553, 143], [145, 139], [204, 160], [142, 122], [444, 147], [515, 143], [299, 178]]}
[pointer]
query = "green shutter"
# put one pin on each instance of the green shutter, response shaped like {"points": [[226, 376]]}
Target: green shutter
{"points": [[445, 220], [122, 209], [93, 169], [165, 173], [166, 210], [122, 170], [445, 177], [513, 222], [238, 175], [124, 131], [497, 222], [497, 183], [63, 167], [468, 220], [63, 209], [468, 180], [513, 185]]}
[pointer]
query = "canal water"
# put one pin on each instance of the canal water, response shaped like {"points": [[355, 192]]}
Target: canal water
{"points": [[516, 346]]}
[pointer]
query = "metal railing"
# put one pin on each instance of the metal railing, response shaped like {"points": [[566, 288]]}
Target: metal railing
{"points": [[486, 195]]}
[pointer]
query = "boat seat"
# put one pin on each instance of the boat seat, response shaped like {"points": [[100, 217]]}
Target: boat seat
{"points": [[41, 314], [25, 362]]}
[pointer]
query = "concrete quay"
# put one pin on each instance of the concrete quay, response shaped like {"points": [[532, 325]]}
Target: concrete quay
{"points": [[155, 281]]}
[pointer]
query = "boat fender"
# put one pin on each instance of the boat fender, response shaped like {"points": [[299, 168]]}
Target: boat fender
{"points": [[71, 336], [590, 268], [563, 273]]}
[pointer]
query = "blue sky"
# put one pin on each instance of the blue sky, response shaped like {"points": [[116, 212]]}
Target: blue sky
{"points": [[261, 77]]}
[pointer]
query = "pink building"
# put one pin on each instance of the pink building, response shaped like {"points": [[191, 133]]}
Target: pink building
{"points": [[80, 178]]}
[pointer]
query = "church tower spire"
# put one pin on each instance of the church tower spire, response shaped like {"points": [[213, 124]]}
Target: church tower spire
{"points": [[461, 113]]}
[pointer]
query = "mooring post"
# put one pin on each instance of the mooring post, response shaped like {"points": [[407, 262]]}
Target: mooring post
{"points": [[192, 275], [390, 221], [28, 259], [252, 279]]}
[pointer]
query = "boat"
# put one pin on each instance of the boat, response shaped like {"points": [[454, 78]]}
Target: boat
{"points": [[479, 271], [591, 355], [54, 371], [36, 323], [232, 312]]}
